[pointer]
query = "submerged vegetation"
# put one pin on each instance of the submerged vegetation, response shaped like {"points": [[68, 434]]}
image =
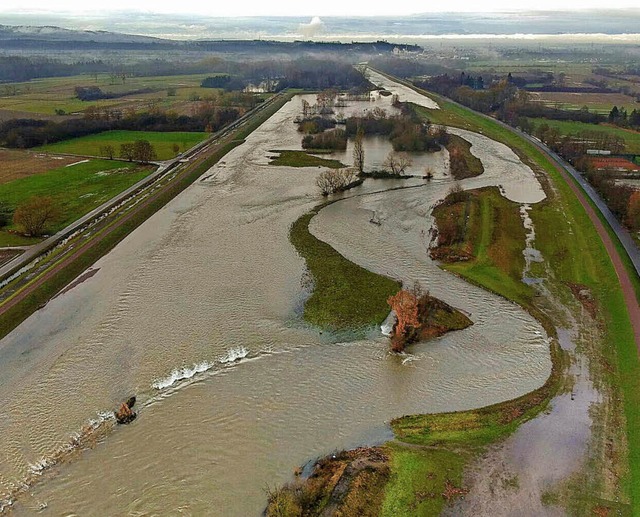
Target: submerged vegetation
{"points": [[462, 163]]}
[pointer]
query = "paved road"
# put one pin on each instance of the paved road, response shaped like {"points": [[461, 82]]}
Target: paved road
{"points": [[37, 249]]}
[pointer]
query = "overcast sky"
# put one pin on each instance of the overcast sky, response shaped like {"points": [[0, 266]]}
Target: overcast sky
{"points": [[305, 8]]}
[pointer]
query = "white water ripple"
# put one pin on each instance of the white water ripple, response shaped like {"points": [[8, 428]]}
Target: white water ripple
{"points": [[187, 372]]}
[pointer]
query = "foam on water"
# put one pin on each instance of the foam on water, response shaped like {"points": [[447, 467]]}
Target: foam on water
{"points": [[187, 372]]}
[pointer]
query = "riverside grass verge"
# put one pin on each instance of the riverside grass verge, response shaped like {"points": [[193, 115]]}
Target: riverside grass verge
{"points": [[575, 254], [427, 460], [105, 240], [491, 241]]}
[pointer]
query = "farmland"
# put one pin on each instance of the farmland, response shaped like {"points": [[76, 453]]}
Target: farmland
{"points": [[19, 164], [75, 189], [51, 96], [632, 138], [598, 102], [91, 145]]}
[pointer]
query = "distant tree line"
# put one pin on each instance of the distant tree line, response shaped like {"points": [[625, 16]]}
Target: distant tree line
{"points": [[216, 81], [94, 93], [26, 133]]}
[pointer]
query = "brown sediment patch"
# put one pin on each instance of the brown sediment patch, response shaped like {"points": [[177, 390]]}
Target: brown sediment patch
{"points": [[583, 294], [347, 483], [20, 164], [422, 317]]}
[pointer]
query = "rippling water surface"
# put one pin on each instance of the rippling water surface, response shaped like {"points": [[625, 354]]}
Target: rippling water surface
{"points": [[196, 313]]}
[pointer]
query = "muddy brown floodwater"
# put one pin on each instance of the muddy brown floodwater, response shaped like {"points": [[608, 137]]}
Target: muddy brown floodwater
{"points": [[197, 313]]}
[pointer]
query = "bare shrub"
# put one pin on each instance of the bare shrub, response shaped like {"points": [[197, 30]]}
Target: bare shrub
{"points": [[397, 163], [35, 214], [335, 180]]}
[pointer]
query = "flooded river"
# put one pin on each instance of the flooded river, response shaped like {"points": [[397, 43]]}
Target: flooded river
{"points": [[197, 313]]}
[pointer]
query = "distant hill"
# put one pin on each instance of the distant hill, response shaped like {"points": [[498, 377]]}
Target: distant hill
{"points": [[52, 33], [57, 38]]}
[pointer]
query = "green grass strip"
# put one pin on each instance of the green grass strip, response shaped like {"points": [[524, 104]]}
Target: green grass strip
{"points": [[345, 295]]}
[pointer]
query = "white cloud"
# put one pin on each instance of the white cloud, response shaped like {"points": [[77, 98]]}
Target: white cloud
{"points": [[313, 28]]}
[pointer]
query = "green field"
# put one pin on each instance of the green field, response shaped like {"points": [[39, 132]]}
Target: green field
{"points": [[632, 138], [571, 246], [574, 254], [107, 238], [75, 189], [415, 473], [90, 145]]}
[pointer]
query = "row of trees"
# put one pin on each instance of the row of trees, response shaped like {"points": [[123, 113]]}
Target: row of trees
{"points": [[620, 117], [26, 133], [139, 151]]}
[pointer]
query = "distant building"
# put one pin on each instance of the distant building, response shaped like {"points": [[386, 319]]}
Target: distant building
{"points": [[598, 152]]}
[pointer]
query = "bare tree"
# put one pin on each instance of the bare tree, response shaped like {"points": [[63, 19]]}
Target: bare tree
{"points": [[126, 151], [335, 180], [358, 151], [143, 151], [35, 214], [108, 151], [306, 109], [397, 163]]}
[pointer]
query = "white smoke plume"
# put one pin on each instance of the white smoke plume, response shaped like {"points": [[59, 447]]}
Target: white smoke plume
{"points": [[313, 28]]}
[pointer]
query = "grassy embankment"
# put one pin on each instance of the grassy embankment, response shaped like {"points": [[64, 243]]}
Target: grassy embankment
{"points": [[110, 235], [303, 159], [631, 138], [162, 142], [490, 243], [575, 254], [75, 189], [422, 479]]}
